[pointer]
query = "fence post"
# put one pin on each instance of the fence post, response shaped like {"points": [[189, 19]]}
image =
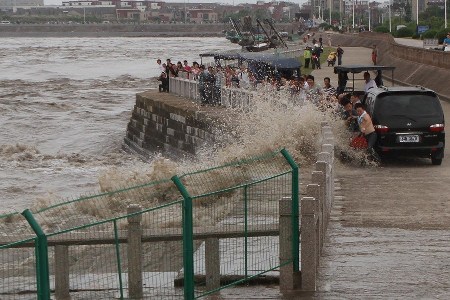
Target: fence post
{"points": [[42, 270], [313, 191], [295, 209], [212, 263], [188, 240], [285, 242], [62, 283], [330, 149], [308, 244], [134, 239], [318, 177], [322, 166]]}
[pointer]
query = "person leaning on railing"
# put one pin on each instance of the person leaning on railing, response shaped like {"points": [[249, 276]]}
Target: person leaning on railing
{"points": [[201, 85], [217, 93], [164, 85]]}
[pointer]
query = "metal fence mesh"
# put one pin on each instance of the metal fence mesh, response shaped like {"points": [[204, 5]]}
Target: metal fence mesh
{"points": [[90, 253], [238, 200], [17, 271]]}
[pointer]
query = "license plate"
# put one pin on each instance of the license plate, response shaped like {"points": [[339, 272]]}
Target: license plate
{"points": [[408, 138]]}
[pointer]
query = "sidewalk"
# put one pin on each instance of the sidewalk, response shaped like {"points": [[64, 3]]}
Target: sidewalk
{"points": [[352, 56], [389, 230]]}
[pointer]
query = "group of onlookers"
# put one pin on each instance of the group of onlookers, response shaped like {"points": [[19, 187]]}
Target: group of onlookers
{"points": [[211, 79], [302, 89], [169, 69]]}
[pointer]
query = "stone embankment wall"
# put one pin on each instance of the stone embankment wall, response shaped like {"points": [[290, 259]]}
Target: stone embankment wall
{"points": [[168, 123], [414, 66]]}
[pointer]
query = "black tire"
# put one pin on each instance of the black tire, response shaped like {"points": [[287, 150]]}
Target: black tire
{"points": [[436, 161]]}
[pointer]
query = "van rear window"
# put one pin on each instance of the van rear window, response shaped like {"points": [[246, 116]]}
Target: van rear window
{"points": [[409, 104]]}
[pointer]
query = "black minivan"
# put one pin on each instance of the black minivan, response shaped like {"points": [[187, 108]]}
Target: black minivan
{"points": [[408, 120]]}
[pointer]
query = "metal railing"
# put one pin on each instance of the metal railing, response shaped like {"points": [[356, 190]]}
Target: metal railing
{"points": [[149, 240], [187, 87]]}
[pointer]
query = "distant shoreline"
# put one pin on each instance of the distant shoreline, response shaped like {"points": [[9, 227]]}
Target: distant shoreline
{"points": [[115, 30], [104, 34]]}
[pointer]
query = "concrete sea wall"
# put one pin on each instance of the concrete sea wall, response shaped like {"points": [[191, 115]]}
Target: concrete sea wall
{"points": [[170, 124]]}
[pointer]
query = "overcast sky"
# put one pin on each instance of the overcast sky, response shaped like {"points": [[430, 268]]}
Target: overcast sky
{"points": [[59, 2]]}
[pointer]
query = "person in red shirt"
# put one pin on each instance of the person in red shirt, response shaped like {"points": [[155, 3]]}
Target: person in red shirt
{"points": [[374, 54]]}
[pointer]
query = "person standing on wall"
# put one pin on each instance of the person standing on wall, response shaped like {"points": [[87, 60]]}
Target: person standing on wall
{"points": [[374, 54], [339, 51]]}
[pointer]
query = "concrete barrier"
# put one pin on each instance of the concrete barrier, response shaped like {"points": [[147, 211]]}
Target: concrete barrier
{"points": [[315, 211]]}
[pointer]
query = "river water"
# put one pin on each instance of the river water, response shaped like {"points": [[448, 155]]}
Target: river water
{"points": [[65, 104]]}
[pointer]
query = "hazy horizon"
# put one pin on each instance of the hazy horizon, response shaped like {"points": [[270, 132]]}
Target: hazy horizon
{"points": [[235, 2]]}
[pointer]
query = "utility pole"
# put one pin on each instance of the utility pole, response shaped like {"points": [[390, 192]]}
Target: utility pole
{"points": [[390, 21], [417, 12], [368, 5], [330, 10], [445, 13], [353, 2]]}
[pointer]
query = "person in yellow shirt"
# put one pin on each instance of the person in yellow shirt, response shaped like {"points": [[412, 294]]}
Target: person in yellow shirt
{"points": [[307, 56]]}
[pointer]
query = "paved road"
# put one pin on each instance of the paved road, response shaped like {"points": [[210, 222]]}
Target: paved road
{"points": [[389, 232], [409, 42], [389, 235]]}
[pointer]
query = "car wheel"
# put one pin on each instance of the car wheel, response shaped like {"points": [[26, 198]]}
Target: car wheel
{"points": [[436, 161]]}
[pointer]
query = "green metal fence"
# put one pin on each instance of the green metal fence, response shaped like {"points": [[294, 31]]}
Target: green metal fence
{"points": [[157, 240]]}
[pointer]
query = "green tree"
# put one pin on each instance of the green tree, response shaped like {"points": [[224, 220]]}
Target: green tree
{"points": [[382, 29], [408, 12], [405, 32]]}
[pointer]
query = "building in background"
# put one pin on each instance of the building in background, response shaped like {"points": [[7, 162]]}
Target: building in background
{"points": [[10, 5]]}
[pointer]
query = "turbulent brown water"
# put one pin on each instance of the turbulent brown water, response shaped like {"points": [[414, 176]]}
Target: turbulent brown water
{"points": [[65, 104]]}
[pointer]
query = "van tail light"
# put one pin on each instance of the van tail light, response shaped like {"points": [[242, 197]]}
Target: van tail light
{"points": [[381, 128], [437, 128]]}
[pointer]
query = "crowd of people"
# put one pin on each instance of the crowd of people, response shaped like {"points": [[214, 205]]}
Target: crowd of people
{"points": [[210, 79], [301, 89]]}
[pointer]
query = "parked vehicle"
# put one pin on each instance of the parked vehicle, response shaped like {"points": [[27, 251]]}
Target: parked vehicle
{"points": [[408, 120]]}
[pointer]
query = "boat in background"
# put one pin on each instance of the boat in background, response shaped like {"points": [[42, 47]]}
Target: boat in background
{"points": [[255, 38]]}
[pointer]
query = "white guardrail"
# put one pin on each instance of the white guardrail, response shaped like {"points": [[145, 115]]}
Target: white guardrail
{"points": [[229, 97]]}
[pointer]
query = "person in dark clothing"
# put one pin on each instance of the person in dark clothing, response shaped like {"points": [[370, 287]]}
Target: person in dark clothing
{"points": [[349, 115], [209, 84], [164, 85], [202, 81], [339, 51], [316, 56], [378, 79], [342, 82]]}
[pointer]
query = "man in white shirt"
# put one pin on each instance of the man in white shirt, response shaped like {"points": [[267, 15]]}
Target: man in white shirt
{"points": [[160, 66], [244, 80], [370, 83]]}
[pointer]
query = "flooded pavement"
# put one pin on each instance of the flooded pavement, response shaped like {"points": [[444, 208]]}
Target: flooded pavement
{"points": [[389, 232], [388, 237]]}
